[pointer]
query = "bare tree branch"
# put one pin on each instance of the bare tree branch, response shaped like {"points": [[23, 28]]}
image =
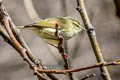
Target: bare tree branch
{"points": [[64, 11], [81, 69], [14, 35], [92, 36]]}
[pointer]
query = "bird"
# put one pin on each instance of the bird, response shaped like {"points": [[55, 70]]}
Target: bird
{"points": [[67, 27]]}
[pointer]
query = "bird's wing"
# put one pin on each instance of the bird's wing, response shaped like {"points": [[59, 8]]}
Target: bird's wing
{"points": [[49, 23], [45, 23]]}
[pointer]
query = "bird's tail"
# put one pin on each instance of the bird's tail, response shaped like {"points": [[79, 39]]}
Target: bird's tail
{"points": [[20, 27]]}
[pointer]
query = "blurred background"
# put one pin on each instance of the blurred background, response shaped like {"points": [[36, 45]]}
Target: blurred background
{"points": [[102, 14]]}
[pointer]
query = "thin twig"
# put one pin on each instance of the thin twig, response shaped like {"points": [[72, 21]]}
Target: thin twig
{"points": [[64, 10], [39, 76], [92, 36], [61, 50], [6, 38], [81, 69], [52, 76], [8, 25]]}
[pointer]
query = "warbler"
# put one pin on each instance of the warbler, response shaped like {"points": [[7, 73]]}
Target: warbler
{"points": [[46, 29]]}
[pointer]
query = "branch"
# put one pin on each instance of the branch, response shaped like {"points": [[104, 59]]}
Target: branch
{"points": [[61, 50], [6, 38], [67, 62], [16, 40], [80, 69], [92, 36]]}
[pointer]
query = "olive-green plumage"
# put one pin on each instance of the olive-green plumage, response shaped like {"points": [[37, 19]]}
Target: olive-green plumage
{"points": [[45, 29]]}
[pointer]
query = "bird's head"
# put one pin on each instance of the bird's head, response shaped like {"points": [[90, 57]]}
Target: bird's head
{"points": [[76, 23]]}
